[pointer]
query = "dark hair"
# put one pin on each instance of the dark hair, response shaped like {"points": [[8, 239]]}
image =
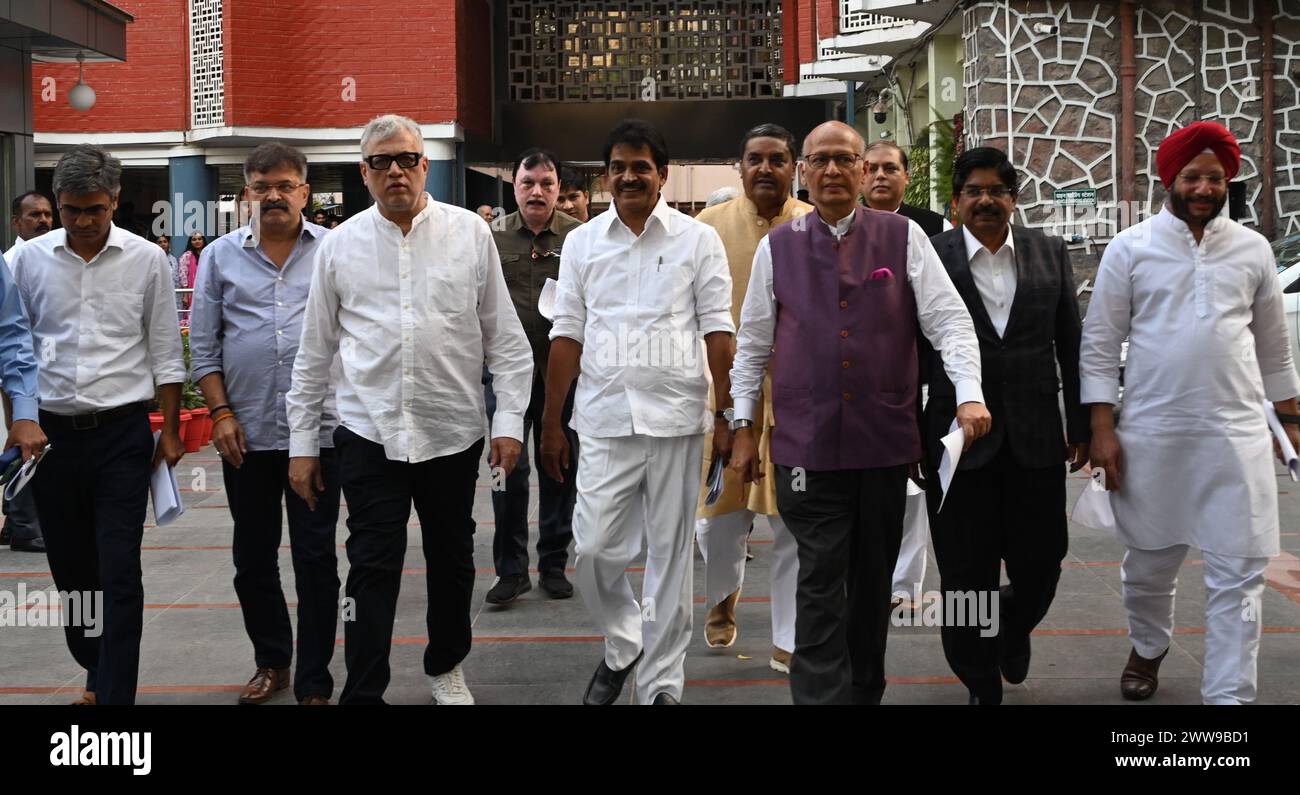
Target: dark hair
{"points": [[189, 241], [533, 158], [638, 133], [571, 177], [274, 154], [983, 157], [17, 207], [901, 154], [770, 131]]}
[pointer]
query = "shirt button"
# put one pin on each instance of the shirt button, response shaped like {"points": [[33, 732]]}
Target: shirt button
{"points": [[847, 396], [279, 303], [844, 304], [844, 332], [844, 365], [279, 331]]}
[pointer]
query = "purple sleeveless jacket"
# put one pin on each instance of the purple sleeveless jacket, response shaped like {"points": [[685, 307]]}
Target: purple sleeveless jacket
{"points": [[844, 371]]}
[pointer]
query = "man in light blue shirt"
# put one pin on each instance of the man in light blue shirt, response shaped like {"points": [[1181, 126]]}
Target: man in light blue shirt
{"points": [[245, 327], [18, 377]]}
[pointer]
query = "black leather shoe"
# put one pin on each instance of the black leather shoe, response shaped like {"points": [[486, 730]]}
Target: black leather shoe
{"points": [[606, 684], [5, 534], [1014, 662], [28, 545], [509, 589], [556, 585], [664, 698]]}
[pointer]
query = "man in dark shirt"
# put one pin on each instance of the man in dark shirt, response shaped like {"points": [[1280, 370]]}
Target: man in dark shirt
{"points": [[529, 241]]}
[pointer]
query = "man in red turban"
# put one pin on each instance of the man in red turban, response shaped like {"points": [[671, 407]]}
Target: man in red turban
{"points": [[1198, 148], [1187, 462]]}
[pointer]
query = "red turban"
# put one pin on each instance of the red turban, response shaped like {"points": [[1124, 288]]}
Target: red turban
{"points": [[1176, 151]]}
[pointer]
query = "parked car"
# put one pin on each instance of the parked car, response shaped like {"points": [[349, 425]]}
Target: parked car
{"points": [[1287, 252]]}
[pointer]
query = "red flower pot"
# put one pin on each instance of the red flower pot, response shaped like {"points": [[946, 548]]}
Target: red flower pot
{"points": [[185, 426], [201, 428], [155, 421], [191, 430]]}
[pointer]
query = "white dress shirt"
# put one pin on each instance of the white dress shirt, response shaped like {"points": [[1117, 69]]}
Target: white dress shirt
{"points": [[105, 331], [9, 255], [947, 225], [413, 317], [945, 321], [995, 276], [639, 306]]}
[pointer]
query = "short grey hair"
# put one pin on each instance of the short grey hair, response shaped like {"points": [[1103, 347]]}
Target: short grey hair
{"points": [[85, 169], [381, 128], [720, 196]]}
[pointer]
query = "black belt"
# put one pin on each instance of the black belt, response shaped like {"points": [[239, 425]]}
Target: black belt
{"points": [[91, 420]]}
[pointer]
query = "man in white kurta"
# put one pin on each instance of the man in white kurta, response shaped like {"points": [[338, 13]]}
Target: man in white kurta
{"points": [[639, 286], [1188, 462]]}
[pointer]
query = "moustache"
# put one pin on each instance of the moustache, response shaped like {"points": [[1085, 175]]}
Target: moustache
{"points": [[622, 186], [42, 228], [269, 206]]}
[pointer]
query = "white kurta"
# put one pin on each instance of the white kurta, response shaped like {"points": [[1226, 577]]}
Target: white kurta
{"points": [[1207, 345]]}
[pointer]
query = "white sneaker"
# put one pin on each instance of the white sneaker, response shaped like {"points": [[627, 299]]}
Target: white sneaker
{"points": [[450, 688]]}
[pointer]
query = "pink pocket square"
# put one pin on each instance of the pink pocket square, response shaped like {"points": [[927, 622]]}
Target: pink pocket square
{"points": [[881, 273]]}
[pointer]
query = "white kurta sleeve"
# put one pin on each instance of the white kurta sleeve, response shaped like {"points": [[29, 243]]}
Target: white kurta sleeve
{"points": [[1272, 347], [570, 319], [713, 285], [316, 351], [945, 320], [757, 330], [1106, 326]]}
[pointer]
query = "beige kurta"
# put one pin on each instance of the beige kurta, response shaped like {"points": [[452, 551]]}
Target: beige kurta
{"points": [[741, 228]]}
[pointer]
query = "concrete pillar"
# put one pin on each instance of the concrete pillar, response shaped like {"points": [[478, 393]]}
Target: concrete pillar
{"points": [[191, 184]]}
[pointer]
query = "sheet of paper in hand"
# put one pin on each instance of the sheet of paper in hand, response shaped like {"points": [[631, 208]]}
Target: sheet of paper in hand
{"points": [[1283, 441], [715, 482], [952, 447], [546, 301]]}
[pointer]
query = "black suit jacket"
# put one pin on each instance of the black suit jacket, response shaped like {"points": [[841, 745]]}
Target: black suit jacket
{"points": [[930, 222], [1020, 368]]}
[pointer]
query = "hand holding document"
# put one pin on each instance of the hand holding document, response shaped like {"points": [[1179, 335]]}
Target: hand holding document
{"points": [[1283, 441], [546, 301], [715, 482], [166, 494], [15, 473], [1093, 508], [953, 444]]}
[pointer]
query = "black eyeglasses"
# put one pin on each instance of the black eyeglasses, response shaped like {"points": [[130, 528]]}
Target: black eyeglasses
{"points": [[403, 160], [994, 191]]}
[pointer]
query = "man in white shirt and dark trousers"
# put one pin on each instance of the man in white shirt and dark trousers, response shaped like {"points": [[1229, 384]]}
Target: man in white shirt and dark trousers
{"points": [[104, 325], [410, 293], [639, 286]]}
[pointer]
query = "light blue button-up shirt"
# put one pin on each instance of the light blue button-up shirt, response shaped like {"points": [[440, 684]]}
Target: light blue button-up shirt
{"points": [[17, 362], [246, 324]]}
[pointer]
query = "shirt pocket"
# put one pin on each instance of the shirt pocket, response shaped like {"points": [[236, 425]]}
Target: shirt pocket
{"points": [[449, 287], [666, 290], [121, 315]]}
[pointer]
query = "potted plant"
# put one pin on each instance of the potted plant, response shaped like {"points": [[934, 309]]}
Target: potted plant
{"points": [[198, 431]]}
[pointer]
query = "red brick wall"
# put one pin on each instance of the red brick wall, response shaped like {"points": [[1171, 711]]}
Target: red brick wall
{"points": [[790, 39], [290, 65], [474, 55], [149, 92], [828, 19], [807, 31]]}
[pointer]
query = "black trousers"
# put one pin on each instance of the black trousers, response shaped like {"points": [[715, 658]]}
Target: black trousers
{"points": [[379, 493], [255, 491], [555, 500], [994, 513], [91, 491], [848, 525]]}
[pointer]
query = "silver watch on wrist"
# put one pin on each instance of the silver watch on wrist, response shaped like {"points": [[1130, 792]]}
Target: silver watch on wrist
{"points": [[734, 424]]}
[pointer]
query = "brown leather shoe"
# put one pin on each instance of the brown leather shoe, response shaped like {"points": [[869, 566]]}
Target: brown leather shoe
{"points": [[1139, 680], [264, 684], [87, 700], [310, 700], [720, 625]]}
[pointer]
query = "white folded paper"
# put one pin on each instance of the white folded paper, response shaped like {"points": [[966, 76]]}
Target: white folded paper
{"points": [[546, 301], [164, 490], [1283, 441], [952, 447], [715, 482], [24, 475], [1093, 508]]}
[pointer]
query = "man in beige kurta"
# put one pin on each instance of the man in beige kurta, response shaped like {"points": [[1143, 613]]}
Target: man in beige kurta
{"points": [[722, 529]]}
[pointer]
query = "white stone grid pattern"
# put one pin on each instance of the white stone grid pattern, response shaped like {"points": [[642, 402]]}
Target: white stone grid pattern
{"points": [[207, 79]]}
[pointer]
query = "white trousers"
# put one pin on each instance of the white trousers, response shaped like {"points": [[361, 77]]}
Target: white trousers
{"points": [[722, 542], [635, 490], [909, 572], [1234, 588]]}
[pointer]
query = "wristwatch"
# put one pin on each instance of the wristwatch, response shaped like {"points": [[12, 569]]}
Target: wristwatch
{"points": [[1290, 419]]}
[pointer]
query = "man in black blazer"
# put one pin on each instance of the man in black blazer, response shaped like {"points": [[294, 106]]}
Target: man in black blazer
{"points": [[884, 180], [1007, 499]]}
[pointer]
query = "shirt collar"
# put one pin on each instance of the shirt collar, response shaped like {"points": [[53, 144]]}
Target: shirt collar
{"points": [[309, 230], [973, 246], [662, 213], [116, 238], [429, 208], [841, 227]]}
